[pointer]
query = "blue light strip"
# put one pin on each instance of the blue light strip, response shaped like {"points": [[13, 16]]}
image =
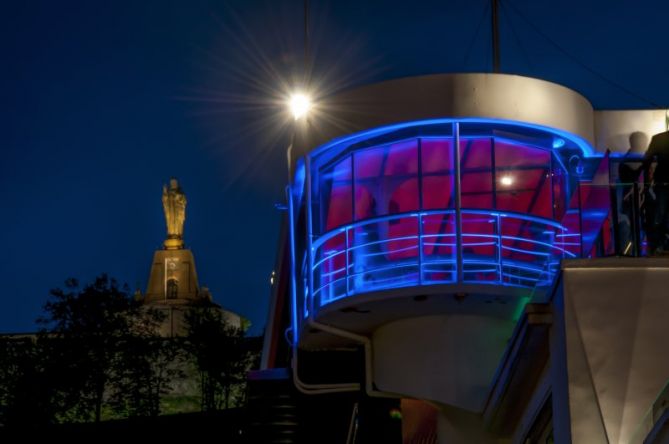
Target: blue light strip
{"points": [[310, 237], [438, 244], [539, 243], [518, 250], [343, 142], [293, 286]]}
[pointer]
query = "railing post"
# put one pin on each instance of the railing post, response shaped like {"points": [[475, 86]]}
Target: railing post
{"points": [[419, 152], [293, 281], [580, 221], [635, 224], [420, 248], [347, 263], [499, 247], [458, 204], [310, 258]]}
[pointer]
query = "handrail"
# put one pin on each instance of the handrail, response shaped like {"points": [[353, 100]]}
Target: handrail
{"points": [[515, 260], [415, 213]]}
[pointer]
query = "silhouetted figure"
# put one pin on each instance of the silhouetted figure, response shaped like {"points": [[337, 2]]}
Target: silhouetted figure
{"points": [[629, 171], [658, 191]]}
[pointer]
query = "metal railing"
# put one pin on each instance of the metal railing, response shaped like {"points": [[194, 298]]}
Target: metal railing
{"points": [[420, 248]]}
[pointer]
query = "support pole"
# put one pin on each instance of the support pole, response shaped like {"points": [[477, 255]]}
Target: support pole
{"points": [[495, 37]]}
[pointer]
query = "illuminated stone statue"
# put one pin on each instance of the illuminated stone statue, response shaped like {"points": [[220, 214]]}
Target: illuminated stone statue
{"points": [[174, 204]]}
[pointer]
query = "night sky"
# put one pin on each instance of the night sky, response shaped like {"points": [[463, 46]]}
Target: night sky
{"points": [[101, 102]]}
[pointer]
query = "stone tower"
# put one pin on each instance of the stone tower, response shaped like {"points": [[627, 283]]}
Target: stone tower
{"points": [[173, 285]]}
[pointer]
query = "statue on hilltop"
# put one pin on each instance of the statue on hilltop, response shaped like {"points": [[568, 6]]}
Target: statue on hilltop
{"points": [[174, 205]]}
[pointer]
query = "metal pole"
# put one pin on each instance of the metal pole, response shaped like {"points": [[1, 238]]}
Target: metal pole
{"points": [[306, 42], [420, 209], [458, 204], [310, 248], [306, 33], [289, 154], [495, 37], [636, 220], [293, 267]]}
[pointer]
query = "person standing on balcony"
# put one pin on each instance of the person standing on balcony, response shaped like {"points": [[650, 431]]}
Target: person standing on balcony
{"points": [[629, 170], [658, 153]]}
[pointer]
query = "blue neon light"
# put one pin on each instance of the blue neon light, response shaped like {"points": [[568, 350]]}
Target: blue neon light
{"points": [[293, 286], [349, 139]]}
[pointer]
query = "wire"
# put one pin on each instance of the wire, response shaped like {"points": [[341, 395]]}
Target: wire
{"points": [[507, 19], [476, 33], [580, 63]]}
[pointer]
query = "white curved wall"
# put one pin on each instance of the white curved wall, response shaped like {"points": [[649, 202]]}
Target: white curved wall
{"points": [[501, 96], [449, 359]]}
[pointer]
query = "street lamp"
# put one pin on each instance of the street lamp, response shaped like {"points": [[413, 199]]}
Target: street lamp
{"points": [[299, 104]]}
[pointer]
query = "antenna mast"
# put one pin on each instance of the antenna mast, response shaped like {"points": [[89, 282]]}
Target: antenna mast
{"points": [[495, 37]]}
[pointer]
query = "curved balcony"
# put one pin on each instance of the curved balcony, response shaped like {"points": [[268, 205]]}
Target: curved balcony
{"points": [[440, 206], [426, 248]]}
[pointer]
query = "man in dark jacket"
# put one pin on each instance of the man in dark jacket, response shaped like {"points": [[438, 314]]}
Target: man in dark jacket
{"points": [[658, 153], [629, 170]]}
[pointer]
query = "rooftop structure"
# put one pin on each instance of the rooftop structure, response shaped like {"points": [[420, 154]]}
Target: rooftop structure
{"points": [[448, 239]]}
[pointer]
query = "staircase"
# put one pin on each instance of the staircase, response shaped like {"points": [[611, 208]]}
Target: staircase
{"points": [[271, 408]]}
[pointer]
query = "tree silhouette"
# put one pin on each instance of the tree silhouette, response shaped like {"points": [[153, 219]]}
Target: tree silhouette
{"points": [[99, 355], [86, 327], [25, 390], [144, 369], [108, 348], [220, 353]]}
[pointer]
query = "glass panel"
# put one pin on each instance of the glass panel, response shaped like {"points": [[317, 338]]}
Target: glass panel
{"points": [[480, 261], [528, 252], [330, 269], [336, 206], [627, 175], [595, 201], [560, 191], [476, 173], [522, 179], [383, 254], [439, 254], [438, 174], [570, 239], [386, 180]]}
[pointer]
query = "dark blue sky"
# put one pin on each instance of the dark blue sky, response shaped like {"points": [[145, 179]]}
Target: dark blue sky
{"points": [[101, 102]]}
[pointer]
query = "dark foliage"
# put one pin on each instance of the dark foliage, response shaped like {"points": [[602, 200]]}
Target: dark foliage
{"points": [[98, 349], [222, 355], [99, 354]]}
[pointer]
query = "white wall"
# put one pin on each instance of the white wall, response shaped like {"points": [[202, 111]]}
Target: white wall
{"points": [[449, 359], [617, 331]]}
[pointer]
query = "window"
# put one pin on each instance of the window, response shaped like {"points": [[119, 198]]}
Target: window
{"points": [[172, 290]]}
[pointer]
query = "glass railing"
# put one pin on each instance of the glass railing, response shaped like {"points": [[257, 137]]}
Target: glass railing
{"points": [[624, 219], [413, 249]]}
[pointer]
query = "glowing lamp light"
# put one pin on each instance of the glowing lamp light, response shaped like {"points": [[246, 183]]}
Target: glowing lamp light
{"points": [[299, 105], [558, 142], [506, 180]]}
